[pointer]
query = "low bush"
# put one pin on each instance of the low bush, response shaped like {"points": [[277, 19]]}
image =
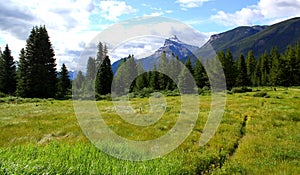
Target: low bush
{"points": [[241, 90], [260, 94]]}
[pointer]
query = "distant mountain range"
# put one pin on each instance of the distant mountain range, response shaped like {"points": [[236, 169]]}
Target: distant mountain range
{"points": [[257, 38], [239, 41]]}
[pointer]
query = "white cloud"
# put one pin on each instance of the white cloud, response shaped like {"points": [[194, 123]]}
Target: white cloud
{"points": [[191, 3], [245, 16], [128, 37], [265, 11], [169, 11], [155, 14], [67, 22], [111, 10]]}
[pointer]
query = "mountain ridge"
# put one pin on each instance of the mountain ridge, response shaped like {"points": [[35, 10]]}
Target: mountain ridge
{"points": [[240, 40]]}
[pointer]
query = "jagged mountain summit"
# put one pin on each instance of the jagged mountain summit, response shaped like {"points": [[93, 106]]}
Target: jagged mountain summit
{"points": [[171, 45]]}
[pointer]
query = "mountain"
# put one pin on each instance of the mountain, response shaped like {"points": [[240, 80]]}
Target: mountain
{"points": [[239, 40], [256, 38], [171, 45]]}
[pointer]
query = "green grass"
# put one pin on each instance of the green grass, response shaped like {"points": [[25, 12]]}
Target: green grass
{"points": [[43, 137]]}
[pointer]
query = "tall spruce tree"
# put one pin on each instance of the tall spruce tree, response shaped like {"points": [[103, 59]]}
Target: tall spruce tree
{"points": [[292, 67], [131, 72], [276, 68], [163, 70], [79, 81], [22, 76], [250, 66], [200, 75], [242, 78], [39, 61], [189, 65], [228, 67], [64, 82], [104, 78], [185, 82], [91, 70], [154, 77], [141, 80], [7, 72]]}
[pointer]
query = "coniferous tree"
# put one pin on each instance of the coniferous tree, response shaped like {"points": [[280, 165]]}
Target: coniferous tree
{"points": [[91, 69], [64, 82], [154, 77], [257, 73], [100, 55], [292, 67], [276, 68], [79, 81], [188, 64], [131, 72], [241, 79], [119, 81], [141, 80], [228, 67], [163, 70], [7, 72], [104, 78], [200, 75], [264, 69], [185, 82], [22, 76], [250, 66], [39, 61]]}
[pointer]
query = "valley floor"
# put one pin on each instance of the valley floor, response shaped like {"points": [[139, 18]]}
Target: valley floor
{"points": [[257, 135]]}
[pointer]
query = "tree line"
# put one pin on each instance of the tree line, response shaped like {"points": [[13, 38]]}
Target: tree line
{"points": [[35, 75], [269, 69]]}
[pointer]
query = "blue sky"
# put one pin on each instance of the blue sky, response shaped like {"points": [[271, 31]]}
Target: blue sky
{"points": [[74, 23]]}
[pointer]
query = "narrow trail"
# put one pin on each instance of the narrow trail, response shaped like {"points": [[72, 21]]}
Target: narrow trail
{"points": [[223, 158]]}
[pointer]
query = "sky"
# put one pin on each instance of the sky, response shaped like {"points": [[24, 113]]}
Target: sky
{"points": [[73, 24]]}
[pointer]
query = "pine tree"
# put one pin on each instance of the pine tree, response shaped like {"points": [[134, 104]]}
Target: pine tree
{"points": [[276, 68], [131, 72], [174, 72], [154, 77], [104, 78], [186, 83], [163, 70], [7, 72], [64, 82], [91, 69], [250, 66], [141, 80], [265, 69], [292, 67], [200, 75], [22, 76], [257, 73], [228, 67], [40, 65], [188, 64], [241, 79], [101, 54], [79, 81]]}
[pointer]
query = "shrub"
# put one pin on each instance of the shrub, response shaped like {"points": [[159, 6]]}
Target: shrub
{"points": [[260, 94], [241, 90]]}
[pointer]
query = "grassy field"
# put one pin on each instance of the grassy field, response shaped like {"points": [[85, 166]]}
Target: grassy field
{"points": [[257, 135]]}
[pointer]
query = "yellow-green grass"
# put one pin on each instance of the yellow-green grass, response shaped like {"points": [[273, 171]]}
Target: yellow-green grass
{"points": [[43, 136]]}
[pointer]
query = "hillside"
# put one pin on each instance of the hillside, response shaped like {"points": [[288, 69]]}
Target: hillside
{"points": [[256, 38]]}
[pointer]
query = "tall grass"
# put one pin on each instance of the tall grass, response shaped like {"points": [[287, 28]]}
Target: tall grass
{"points": [[43, 137]]}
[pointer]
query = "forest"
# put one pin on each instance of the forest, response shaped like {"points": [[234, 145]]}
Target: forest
{"points": [[35, 74]]}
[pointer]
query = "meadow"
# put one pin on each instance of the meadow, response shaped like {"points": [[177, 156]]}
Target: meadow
{"points": [[259, 134]]}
